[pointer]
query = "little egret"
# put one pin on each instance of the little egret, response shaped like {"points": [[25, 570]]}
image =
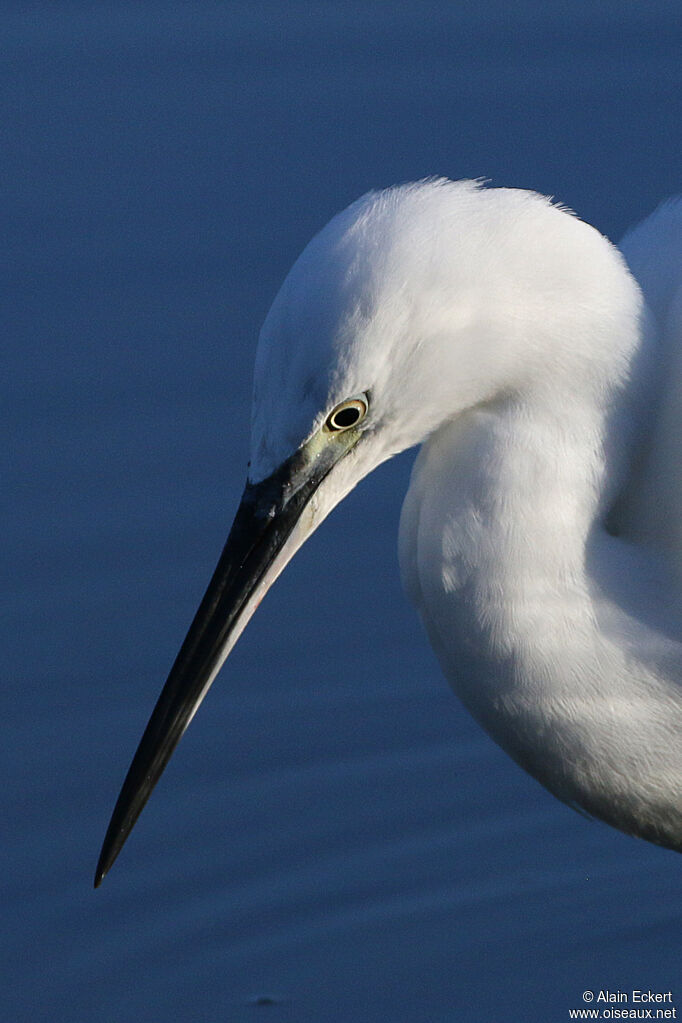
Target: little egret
{"points": [[540, 369]]}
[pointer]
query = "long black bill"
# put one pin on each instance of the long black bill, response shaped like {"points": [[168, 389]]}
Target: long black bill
{"points": [[265, 520]]}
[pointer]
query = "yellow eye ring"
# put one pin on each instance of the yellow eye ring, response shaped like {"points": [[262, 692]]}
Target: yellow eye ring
{"points": [[347, 414]]}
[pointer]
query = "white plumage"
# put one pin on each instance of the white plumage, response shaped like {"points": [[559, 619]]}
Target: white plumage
{"points": [[541, 536], [543, 518]]}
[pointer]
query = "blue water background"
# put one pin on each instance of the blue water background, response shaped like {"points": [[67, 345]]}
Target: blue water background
{"points": [[334, 836]]}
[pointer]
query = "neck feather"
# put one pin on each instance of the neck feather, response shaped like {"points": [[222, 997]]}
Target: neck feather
{"points": [[496, 533]]}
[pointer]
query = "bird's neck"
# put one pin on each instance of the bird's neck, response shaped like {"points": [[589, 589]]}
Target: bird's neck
{"points": [[499, 512], [510, 498], [500, 532], [507, 498]]}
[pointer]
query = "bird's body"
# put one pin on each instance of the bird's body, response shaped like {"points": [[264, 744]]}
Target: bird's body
{"points": [[541, 537]]}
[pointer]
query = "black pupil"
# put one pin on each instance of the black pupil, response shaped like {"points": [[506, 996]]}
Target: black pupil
{"points": [[345, 417]]}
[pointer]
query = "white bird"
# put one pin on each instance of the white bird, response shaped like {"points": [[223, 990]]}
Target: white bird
{"points": [[541, 536]]}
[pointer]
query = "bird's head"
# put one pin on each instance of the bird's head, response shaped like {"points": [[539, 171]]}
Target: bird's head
{"points": [[411, 306], [383, 306], [429, 299]]}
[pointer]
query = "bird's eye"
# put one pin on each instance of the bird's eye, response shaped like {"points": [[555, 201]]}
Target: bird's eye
{"points": [[346, 414]]}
